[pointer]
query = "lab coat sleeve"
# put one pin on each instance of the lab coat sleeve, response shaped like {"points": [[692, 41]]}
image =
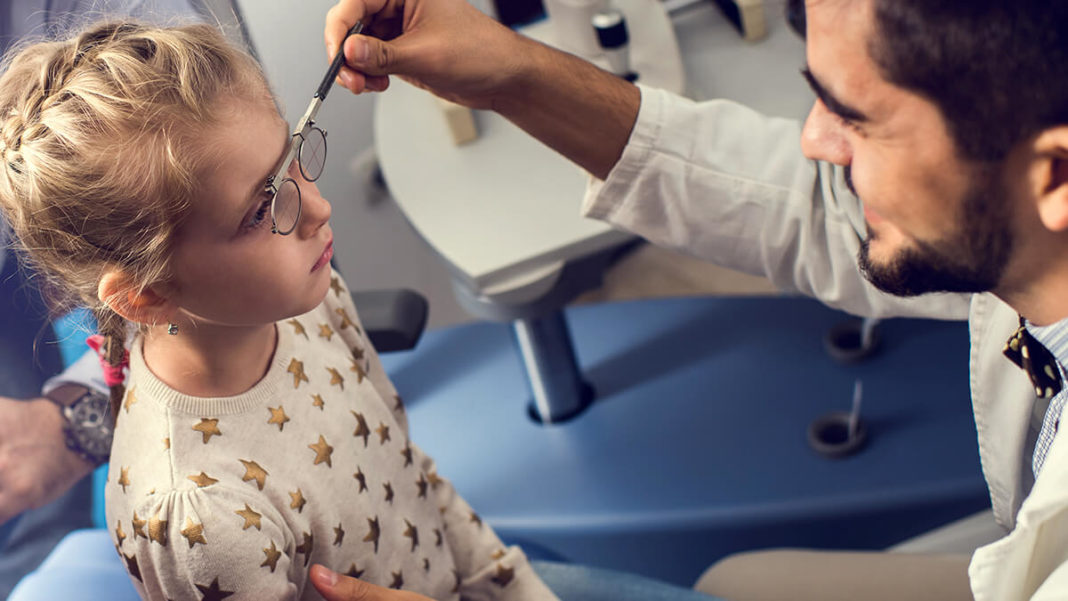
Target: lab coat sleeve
{"points": [[724, 183]]}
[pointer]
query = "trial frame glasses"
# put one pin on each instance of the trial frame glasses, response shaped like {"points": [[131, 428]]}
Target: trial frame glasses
{"points": [[307, 146]]}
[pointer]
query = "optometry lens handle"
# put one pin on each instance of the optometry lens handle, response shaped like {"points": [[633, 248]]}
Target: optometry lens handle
{"points": [[339, 59]]}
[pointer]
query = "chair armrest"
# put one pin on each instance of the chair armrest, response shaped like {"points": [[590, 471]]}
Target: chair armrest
{"points": [[394, 319]]}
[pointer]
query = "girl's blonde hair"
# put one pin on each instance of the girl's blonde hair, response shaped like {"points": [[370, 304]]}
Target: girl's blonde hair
{"points": [[102, 142]]}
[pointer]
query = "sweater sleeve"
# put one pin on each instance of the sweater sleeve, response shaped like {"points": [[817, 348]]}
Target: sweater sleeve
{"points": [[205, 543], [486, 570]]}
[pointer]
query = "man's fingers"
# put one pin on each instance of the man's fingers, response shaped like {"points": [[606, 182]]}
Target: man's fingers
{"points": [[372, 56], [339, 20], [335, 587]]}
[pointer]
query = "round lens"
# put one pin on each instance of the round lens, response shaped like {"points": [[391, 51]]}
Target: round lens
{"points": [[313, 154], [286, 207]]}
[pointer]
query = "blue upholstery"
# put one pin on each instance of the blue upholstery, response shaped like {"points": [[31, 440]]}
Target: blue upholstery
{"points": [[83, 567]]}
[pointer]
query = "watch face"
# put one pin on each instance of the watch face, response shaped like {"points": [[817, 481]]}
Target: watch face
{"points": [[89, 425]]}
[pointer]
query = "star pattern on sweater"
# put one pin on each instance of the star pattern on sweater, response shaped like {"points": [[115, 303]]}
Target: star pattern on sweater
{"points": [[157, 530], [346, 321], [212, 592], [335, 285], [167, 443], [398, 403], [434, 479], [253, 471], [335, 378], [339, 534], [354, 572], [208, 427], [298, 328], [361, 427], [459, 580], [476, 519], [124, 478], [131, 565], [358, 370], [297, 369], [389, 492], [306, 547], [503, 576], [323, 452], [438, 541], [398, 580], [426, 564], [193, 533], [410, 531], [421, 484], [272, 554], [138, 527], [278, 416], [297, 500], [202, 480], [374, 532], [130, 400], [383, 432], [317, 401], [406, 452], [499, 553], [361, 479], [119, 534], [251, 518], [325, 331]]}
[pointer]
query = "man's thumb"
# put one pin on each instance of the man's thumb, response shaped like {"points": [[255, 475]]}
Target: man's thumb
{"points": [[371, 55]]}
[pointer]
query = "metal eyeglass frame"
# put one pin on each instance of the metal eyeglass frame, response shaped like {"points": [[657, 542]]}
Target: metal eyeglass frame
{"points": [[304, 126]]}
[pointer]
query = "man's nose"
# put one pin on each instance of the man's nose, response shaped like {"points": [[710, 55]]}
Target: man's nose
{"points": [[824, 137]]}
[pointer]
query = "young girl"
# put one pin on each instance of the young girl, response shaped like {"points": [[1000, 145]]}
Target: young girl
{"points": [[256, 431]]}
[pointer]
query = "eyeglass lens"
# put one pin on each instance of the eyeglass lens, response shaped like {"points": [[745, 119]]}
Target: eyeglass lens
{"points": [[312, 155], [286, 207]]}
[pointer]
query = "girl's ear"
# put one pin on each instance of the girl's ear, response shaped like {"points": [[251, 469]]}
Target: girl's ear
{"points": [[141, 305]]}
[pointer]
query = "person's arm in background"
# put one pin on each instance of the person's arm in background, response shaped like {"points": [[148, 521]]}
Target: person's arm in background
{"points": [[455, 51]]}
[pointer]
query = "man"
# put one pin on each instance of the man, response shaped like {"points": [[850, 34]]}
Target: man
{"points": [[948, 120]]}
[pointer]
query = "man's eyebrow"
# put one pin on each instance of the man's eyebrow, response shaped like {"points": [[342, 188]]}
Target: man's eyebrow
{"points": [[833, 104]]}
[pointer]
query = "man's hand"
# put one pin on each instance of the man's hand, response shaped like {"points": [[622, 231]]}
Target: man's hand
{"points": [[335, 587], [35, 465], [445, 46]]}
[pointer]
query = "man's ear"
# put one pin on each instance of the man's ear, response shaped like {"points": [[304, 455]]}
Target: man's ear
{"points": [[141, 305], [1051, 185]]}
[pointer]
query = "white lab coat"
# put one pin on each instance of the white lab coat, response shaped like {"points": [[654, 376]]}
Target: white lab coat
{"points": [[726, 184]]}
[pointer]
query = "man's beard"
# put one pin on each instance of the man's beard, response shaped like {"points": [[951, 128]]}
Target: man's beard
{"points": [[970, 259]]}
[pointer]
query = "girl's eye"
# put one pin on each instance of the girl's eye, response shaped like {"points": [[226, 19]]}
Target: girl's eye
{"points": [[259, 217]]}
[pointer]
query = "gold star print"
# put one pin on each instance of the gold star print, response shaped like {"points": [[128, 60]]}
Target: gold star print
{"points": [[317, 401], [335, 378], [272, 554], [399, 406], [499, 553], [335, 285], [194, 533], [325, 331], [389, 492], [361, 479], [437, 536], [278, 416], [413, 533], [322, 452], [421, 483], [131, 565], [358, 369], [124, 479], [426, 564], [306, 547], [434, 479], [346, 321], [354, 572], [297, 369], [373, 532], [298, 328], [212, 592], [357, 353], [407, 453], [157, 530], [383, 432], [398, 579], [119, 534], [202, 480], [503, 576], [253, 471], [476, 519], [298, 500], [361, 427], [138, 527], [130, 400], [251, 518], [208, 427], [339, 534], [167, 443]]}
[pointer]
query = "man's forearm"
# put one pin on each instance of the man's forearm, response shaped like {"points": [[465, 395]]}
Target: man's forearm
{"points": [[579, 110]]}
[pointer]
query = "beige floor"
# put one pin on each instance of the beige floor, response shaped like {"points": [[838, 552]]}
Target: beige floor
{"points": [[651, 271]]}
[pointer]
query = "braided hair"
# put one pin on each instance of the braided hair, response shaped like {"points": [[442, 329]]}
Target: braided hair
{"points": [[100, 151]]}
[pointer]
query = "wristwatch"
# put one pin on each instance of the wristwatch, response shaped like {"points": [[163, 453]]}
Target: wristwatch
{"points": [[87, 428]]}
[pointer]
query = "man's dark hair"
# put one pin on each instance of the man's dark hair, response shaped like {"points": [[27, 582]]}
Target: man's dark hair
{"points": [[997, 69]]}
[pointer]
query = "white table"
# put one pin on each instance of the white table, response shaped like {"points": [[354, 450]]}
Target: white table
{"points": [[503, 211]]}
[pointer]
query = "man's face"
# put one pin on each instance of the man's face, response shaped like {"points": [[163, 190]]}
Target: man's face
{"points": [[935, 222]]}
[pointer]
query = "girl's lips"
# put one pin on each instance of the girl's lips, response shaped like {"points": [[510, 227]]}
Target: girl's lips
{"points": [[324, 258]]}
